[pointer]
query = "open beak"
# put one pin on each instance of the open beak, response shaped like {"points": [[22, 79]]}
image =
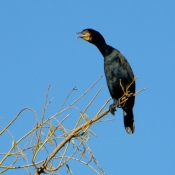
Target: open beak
{"points": [[80, 35], [84, 35]]}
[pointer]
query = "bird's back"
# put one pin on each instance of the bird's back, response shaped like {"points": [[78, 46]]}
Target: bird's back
{"points": [[116, 67]]}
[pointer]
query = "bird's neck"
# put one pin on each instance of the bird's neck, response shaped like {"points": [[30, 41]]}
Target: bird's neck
{"points": [[105, 49]]}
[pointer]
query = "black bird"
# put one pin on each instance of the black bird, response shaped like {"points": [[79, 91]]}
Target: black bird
{"points": [[116, 69]]}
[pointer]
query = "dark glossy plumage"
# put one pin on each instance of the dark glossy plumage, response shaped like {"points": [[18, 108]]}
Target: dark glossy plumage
{"points": [[116, 67]]}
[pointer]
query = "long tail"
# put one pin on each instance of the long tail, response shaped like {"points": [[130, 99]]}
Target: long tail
{"points": [[129, 121]]}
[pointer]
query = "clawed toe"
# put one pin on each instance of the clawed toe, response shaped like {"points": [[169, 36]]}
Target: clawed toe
{"points": [[112, 109]]}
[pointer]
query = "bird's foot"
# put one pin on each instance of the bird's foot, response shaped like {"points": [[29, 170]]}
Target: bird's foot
{"points": [[112, 109]]}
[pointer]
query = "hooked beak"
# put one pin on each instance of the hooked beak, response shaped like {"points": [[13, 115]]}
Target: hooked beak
{"points": [[84, 35], [80, 35]]}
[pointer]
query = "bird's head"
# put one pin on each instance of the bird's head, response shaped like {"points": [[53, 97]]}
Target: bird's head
{"points": [[91, 36]]}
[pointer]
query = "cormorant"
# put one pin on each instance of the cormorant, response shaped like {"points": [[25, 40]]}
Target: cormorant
{"points": [[116, 69]]}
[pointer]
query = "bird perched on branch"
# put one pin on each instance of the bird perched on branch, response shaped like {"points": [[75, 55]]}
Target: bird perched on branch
{"points": [[119, 76]]}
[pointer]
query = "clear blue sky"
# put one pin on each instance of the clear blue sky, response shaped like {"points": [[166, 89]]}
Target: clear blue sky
{"points": [[38, 47]]}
